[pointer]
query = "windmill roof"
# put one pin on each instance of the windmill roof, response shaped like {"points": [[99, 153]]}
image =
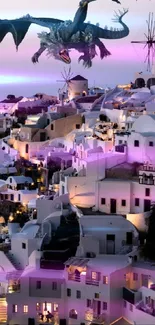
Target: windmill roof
{"points": [[78, 78]]}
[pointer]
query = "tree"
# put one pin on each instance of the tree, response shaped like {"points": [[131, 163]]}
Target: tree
{"points": [[10, 96]]}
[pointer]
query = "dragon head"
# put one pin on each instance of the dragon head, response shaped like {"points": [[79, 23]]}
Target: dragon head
{"points": [[64, 56]]}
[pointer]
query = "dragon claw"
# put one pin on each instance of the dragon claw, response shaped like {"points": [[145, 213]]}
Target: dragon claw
{"points": [[35, 58]]}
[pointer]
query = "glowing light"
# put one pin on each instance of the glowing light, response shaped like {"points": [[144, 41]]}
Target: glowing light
{"points": [[12, 79]]}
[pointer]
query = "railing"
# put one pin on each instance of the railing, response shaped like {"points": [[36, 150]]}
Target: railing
{"points": [[146, 308], [92, 282], [147, 168], [99, 319], [74, 277]]}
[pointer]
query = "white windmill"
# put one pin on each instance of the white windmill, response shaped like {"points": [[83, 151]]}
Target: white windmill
{"points": [[63, 92]]}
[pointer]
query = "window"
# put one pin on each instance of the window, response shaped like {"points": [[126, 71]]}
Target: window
{"points": [[14, 308], [27, 148], [97, 296], [150, 143], [88, 303], [38, 306], [25, 309], [55, 307], [123, 203], [19, 197], [78, 294], [68, 292], [77, 126], [103, 201], [38, 285], [104, 305], [105, 279], [12, 197], [136, 202], [147, 192], [54, 285], [23, 245], [10, 180], [131, 307], [52, 127], [135, 277], [94, 275], [124, 303], [136, 143], [120, 141]]}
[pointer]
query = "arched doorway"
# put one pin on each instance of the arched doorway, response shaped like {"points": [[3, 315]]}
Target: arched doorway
{"points": [[150, 82], [140, 83]]}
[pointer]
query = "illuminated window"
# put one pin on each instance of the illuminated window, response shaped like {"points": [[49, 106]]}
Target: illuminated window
{"points": [[14, 308], [25, 309], [94, 275], [55, 307], [105, 280]]}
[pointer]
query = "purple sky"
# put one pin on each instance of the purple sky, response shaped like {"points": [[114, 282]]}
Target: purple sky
{"points": [[21, 77]]}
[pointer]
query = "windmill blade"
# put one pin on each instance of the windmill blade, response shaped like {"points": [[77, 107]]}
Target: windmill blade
{"points": [[63, 76], [138, 42], [151, 26]]}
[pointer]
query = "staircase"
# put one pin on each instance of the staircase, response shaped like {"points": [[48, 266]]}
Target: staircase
{"points": [[13, 261], [96, 106], [3, 310]]}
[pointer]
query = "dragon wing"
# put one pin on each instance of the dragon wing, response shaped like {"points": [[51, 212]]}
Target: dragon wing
{"points": [[19, 27]]}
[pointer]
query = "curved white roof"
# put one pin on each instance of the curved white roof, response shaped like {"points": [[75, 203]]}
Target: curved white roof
{"points": [[97, 225]]}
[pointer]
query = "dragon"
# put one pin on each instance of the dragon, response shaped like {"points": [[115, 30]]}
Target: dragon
{"points": [[66, 35]]}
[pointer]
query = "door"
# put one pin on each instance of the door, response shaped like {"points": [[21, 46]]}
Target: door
{"points": [[112, 206], [145, 280], [129, 238], [147, 205], [110, 247], [98, 308], [42, 136]]}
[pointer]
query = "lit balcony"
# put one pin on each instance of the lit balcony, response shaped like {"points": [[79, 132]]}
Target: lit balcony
{"points": [[14, 288]]}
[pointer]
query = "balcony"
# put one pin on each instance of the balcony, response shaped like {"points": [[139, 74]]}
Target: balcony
{"points": [[74, 277], [146, 308], [99, 320], [14, 288], [92, 282], [148, 168]]}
